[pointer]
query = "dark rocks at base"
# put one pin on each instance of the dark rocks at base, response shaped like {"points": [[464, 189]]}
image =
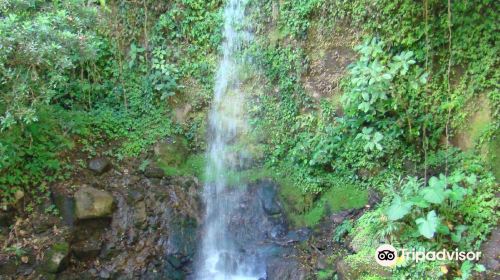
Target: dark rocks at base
{"points": [[87, 249], [99, 165], [278, 231], [283, 268], [250, 222], [65, 203], [153, 171], [56, 259], [298, 235], [87, 238], [267, 194]]}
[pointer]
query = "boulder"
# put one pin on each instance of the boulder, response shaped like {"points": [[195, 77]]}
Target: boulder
{"points": [[282, 268], [93, 203], [154, 171], [65, 203], [355, 266], [267, 195], [99, 165], [56, 258]]}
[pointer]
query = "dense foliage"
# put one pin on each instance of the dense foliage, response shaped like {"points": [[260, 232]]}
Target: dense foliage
{"points": [[404, 99], [95, 76], [109, 77]]}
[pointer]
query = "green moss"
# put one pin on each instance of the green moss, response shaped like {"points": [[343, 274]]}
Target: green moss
{"points": [[302, 210], [56, 257], [62, 247], [363, 266], [347, 197], [173, 152], [194, 165]]}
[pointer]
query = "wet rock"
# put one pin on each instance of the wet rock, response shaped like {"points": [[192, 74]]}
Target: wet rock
{"points": [[99, 165], [153, 171], [65, 203], [93, 203], [278, 231], [281, 268], [299, 235], [182, 239], [57, 258], [267, 195]]}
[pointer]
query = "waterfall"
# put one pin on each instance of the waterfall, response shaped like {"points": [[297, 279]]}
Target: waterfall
{"points": [[220, 257]]}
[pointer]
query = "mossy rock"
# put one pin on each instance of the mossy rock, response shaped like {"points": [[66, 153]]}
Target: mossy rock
{"points": [[93, 203], [172, 151], [361, 265], [56, 259], [308, 210]]}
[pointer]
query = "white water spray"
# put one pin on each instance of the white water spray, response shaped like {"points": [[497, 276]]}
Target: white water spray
{"points": [[219, 258]]}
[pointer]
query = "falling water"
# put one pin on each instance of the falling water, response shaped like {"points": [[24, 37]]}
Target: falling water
{"points": [[220, 257]]}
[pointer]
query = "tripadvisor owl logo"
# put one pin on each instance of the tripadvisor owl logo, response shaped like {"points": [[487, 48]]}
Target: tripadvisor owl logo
{"points": [[386, 255]]}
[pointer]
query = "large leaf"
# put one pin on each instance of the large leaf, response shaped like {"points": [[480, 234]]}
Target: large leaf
{"points": [[435, 192], [457, 193], [398, 209], [419, 202], [427, 226]]}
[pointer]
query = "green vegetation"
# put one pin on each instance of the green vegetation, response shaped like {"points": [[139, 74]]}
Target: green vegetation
{"points": [[115, 78], [100, 77], [405, 98]]}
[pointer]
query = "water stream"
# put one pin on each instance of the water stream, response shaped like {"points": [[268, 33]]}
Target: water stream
{"points": [[220, 257]]}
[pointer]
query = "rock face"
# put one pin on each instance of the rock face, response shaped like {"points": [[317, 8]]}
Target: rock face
{"points": [[99, 165], [148, 228], [151, 234], [290, 269], [267, 195], [93, 203]]}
